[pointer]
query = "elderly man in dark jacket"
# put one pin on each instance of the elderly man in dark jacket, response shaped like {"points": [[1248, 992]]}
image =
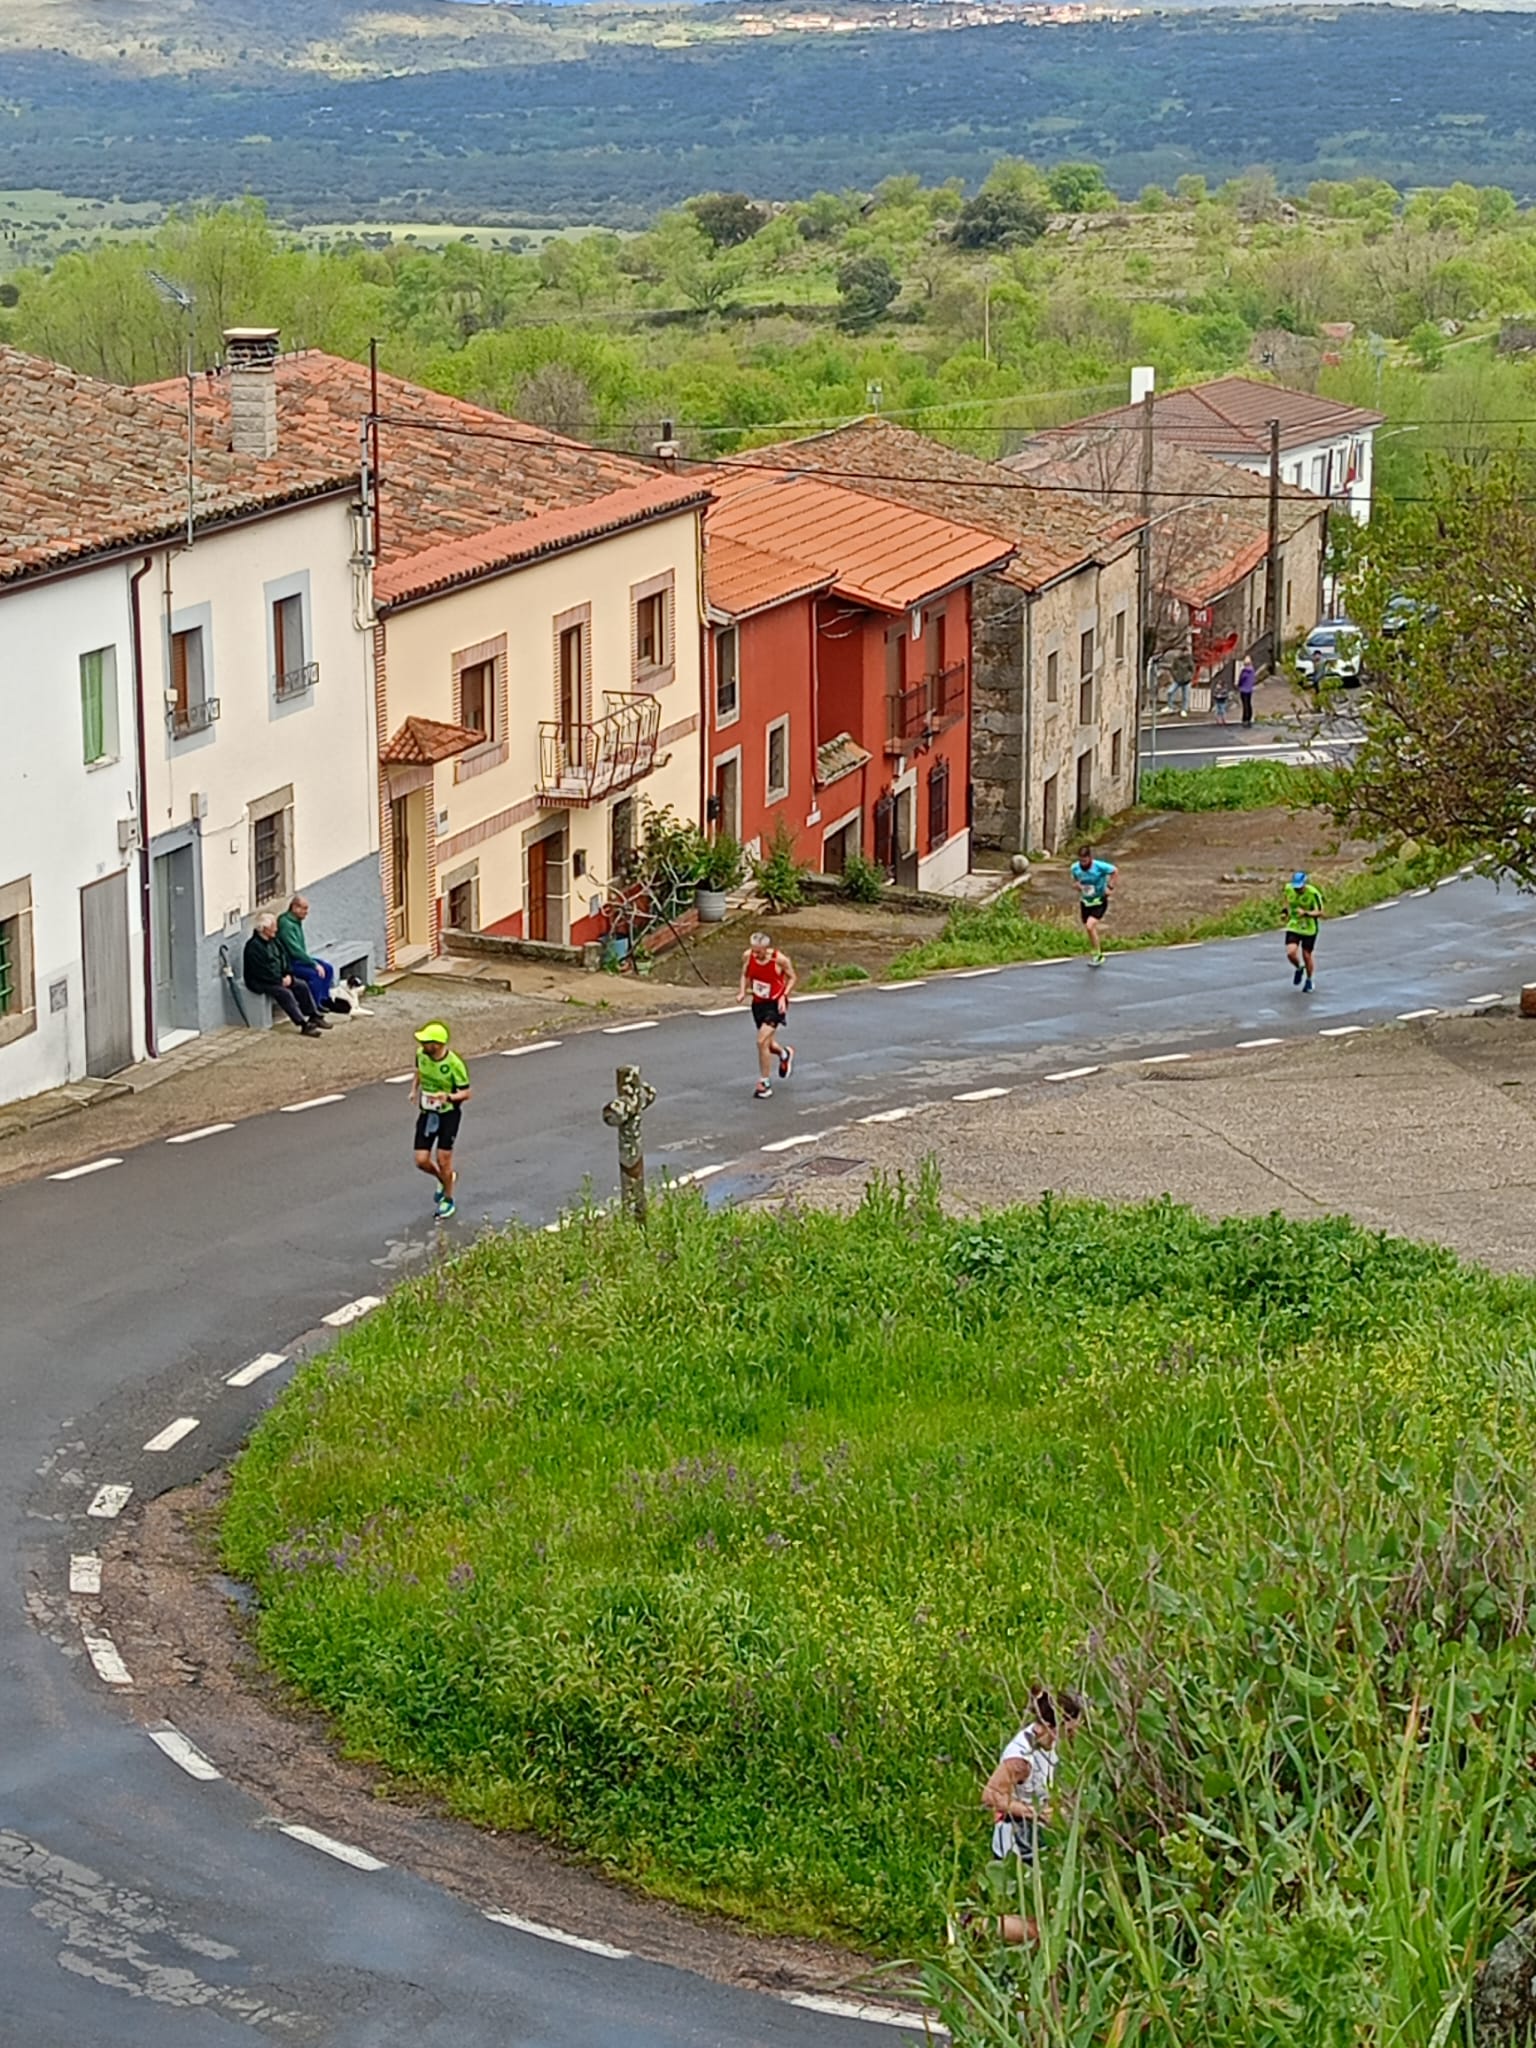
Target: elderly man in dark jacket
{"points": [[266, 974]]}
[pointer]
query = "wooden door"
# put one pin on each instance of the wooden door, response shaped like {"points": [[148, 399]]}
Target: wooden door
{"points": [[537, 919], [108, 1001]]}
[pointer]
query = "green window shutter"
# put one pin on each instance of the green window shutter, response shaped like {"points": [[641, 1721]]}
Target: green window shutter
{"points": [[92, 716]]}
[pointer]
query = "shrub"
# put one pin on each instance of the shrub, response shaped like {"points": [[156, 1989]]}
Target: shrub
{"points": [[722, 862], [863, 881], [778, 874]]}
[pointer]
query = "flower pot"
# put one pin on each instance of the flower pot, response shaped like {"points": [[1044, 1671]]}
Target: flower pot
{"points": [[710, 904]]}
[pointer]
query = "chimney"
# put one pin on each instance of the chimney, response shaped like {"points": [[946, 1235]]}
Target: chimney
{"points": [[250, 354], [1143, 383]]}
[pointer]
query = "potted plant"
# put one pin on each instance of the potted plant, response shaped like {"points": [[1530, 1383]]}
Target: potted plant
{"points": [[721, 866]]}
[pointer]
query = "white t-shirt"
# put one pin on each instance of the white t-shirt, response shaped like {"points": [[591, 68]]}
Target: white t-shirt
{"points": [[1009, 1837]]}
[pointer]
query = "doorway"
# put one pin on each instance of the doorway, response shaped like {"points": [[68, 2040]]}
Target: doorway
{"points": [[173, 942], [544, 897], [728, 794], [906, 840], [1084, 789], [409, 927], [108, 1001], [1050, 822], [838, 846]]}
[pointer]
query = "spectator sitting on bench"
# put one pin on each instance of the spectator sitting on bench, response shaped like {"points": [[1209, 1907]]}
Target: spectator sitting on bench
{"points": [[265, 968], [318, 976]]}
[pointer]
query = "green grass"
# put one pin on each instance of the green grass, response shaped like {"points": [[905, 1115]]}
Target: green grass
{"points": [[1244, 786], [840, 975], [996, 933], [725, 1555]]}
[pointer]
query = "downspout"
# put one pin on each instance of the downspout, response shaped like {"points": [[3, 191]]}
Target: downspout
{"points": [[816, 720], [706, 674], [1029, 719], [141, 744]]}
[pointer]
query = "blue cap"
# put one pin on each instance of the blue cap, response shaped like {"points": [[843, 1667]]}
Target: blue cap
{"points": [[1299, 879]]}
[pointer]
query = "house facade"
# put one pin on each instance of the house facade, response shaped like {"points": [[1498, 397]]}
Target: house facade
{"points": [[1055, 629], [840, 674]]}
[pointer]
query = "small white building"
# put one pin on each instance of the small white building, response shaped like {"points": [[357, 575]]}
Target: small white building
{"points": [[192, 725], [1325, 447]]}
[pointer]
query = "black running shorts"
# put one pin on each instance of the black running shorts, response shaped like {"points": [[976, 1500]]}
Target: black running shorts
{"points": [[439, 1127], [1099, 910], [1307, 940], [766, 1013]]}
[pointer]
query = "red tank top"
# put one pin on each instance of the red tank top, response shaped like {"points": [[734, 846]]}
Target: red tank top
{"points": [[766, 979]]}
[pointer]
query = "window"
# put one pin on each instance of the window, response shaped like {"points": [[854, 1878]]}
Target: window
{"points": [[778, 760], [98, 706], [1120, 634], [18, 1015], [272, 849], [1319, 472], [938, 804], [1085, 655], [621, 838], [1085, 678], [1053, 677], [477, 698], [1116, 748], [573, 662], [292, 672], [464, 904], [933, 644], [727, 692], [1049, 822], [191, 708], [650, 606], [1287, 597]]}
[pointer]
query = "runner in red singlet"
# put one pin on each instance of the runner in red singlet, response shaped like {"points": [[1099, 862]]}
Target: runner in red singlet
{"points": [[767, 977]]}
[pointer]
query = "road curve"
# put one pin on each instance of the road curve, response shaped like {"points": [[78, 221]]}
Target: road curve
{"points": [[140, 1906]]}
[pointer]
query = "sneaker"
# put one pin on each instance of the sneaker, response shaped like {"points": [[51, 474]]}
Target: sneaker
{"points": [[1298, 977], [1095, 959], [762, 1091], [1306, 986], [443, 1206], [324, 1024], [310, 1030], [786, 1062]]}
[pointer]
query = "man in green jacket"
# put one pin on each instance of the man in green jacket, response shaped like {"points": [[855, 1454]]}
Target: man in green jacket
{"points": [[264, 967], [318, 976]]}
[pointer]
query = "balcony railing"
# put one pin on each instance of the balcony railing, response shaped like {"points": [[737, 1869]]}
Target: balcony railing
{"points": [[185, 719], [917, 715], [296, 682], [582, 764]]}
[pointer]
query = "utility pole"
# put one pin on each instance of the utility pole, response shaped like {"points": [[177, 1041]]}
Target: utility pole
{"points": [[1272, 562], [633, 1097], [1144, 631]]}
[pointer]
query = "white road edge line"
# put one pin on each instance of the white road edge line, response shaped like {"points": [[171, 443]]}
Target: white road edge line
{"points": [[974, 973], [1418, 892], [85, 1573], [543, 1933], [702, 1173], [314, 1102], [1481, 1002], [351, 1311], [175, 1745], [1253, 1044], [730, 1010], [110, 1501], [618, 1030], [818, 995], [1341, 1031], [1184, 946], [397, 1080], [515, 1052], [191, 1137], [891, 988], [1409, 1016], [889, 1116], [800, 1138], [329, 1846], [1390, 903], [1056, 960], [102, 1651], [860, 2009], [247, 1375], [172, 1434], [981, 1095], [79, 1172], [1164, 1059], [1073, 1074]]}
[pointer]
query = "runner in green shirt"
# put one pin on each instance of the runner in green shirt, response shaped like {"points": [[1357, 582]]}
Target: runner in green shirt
{"points": [[439, 1089], [1303, 914]]}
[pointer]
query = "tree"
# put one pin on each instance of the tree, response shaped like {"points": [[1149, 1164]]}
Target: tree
{"points": [[1428, 345], [728, 217], [998, 220], [866, 285], [1449, 754], [1079, 188]]}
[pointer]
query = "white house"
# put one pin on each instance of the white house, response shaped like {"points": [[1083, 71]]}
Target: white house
{"points": [[193, 723], [1325, 447]]}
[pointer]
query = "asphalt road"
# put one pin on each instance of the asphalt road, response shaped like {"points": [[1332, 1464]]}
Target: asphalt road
{"points": [[1202, 743], [139, 1907]]}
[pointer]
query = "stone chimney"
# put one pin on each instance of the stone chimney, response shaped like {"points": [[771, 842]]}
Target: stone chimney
{"points": [[250, 354]]}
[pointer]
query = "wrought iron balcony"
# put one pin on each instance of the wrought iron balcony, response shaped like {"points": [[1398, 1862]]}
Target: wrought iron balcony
{"points": [[582, 764], [185, 719], [919, 714], [296, 682]]}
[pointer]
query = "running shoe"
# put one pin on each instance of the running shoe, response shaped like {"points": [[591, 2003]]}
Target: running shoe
{"points": [[443, 1205], [786, 1062], [1298, 977], [762, 1091], [1306, 986], [1095, 959]]}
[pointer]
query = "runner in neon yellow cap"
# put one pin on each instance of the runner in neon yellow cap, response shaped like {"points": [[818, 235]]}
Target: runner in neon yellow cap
{"points": [[439, 1089]]}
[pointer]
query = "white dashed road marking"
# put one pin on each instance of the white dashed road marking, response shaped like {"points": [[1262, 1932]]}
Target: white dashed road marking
{"points": [[981, 1094], [110, 1501], [1390, 904], [172, 1433], [1056, 960], [314, 1102], [79, 1172], [1409, 1016], [85, 1573], [191, 1137], [892, 988], [886, 1116], [618, 1030], [860, 2009], [975, 973], [186, 1754], [817, 995], [1341, 1031], [1165, 1059], [730, 1010], [515, 1052], [702, 1173], [1073, 1074], [397, 1080], [801, 1138], [329, 1846], [102, 1651], [543, 1933], [1253, 1044], [1482, 1002], [351, 1311], [247, 1375]]}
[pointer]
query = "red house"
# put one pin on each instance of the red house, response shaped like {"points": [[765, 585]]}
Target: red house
{"points": [[839, 680]]}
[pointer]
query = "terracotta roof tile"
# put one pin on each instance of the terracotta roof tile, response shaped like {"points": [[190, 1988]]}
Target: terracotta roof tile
{"points": [[448, 470], [87, 467], [1052, 531], [524, 540], [838, 757], [421, 740], [740, 579], [1231, 415], [880, 552]]}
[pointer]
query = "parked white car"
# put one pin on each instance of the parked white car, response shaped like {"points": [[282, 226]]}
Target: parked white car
{"points": [[1333, 651]]}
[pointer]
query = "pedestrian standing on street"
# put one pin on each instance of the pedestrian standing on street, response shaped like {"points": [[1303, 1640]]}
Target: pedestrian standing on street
{"points": [[1303, 914], [1182, 670], [768, 977], [439, 1089], [1247, 682], [1094, 880], [1221, 693]]}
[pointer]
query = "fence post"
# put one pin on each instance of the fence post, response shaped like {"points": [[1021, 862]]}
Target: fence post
{"points": [[632, 1099]]}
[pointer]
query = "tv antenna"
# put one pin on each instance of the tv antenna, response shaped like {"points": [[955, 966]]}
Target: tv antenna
{"points": [[177, 295]]}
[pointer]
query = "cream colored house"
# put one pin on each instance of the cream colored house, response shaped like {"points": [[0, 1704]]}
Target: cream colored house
{"points": [[533, 684]]}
